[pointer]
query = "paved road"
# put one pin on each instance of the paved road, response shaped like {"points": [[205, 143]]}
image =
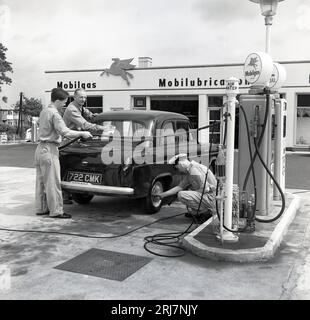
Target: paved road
{"points": [[32, 257], [17, 155]]}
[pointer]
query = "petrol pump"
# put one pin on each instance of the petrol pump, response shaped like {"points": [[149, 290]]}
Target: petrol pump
{"points": [[261, 156], [280, 146], [263, 116], [262, 132], [280, 113]]}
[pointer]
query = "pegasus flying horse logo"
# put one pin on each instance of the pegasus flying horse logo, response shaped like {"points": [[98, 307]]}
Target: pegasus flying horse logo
{"points": [[253, 63], [119, 68]]}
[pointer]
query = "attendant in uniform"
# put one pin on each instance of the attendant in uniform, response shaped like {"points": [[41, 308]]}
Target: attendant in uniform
{"points": [[52, 128], [190, 189]]}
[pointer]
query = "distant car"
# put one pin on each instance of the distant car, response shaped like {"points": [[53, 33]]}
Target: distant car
{"points": [[28, 135], [114, 163]]}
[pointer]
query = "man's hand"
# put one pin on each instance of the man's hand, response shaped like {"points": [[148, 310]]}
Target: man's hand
{"points": [[157, 196], [86, 135], [95, 116], [101, 128]]}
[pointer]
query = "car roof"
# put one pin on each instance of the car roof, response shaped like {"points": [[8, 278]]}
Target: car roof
{"points": [[141, 115]]}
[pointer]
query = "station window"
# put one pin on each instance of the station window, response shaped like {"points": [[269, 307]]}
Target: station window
{"points": [[139, 103], [187, 105], [303, 119], [93, 103], [215, 104]]}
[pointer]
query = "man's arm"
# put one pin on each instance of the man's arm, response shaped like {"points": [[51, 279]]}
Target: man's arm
{"points": [[64, 131], [80, 122], [170, 192], [183, 185], [89, 115]]}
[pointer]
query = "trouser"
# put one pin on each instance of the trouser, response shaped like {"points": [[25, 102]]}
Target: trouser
{"points": [[65, 194], [192, 199], [48, 195]]}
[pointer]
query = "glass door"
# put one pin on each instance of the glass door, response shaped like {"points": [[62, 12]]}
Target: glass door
{"points": [[303, 119], [215, 104]]}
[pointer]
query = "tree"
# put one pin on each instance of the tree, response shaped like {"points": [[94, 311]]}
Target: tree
{"points": [[5, 67], [31, 107]]}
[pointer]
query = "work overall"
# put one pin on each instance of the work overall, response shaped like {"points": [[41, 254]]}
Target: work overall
{"points": [[48, 188], [195, 181]]}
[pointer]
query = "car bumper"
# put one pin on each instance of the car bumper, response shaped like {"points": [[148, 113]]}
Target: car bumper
{"points": [[96, 189]]}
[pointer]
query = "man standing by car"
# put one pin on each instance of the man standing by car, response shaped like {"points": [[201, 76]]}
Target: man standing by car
{"points": [[77, 117], [48, 183], [192, 189]]}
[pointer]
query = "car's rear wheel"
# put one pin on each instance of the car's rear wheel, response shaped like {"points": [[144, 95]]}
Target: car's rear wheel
{"points": [[152, 203], [82, 198]]}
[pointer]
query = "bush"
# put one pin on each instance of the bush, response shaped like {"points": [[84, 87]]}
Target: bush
{"points": [[4, 127], [9, 130]]}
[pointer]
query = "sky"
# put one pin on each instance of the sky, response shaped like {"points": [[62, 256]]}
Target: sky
{"points": [[43, 35]]}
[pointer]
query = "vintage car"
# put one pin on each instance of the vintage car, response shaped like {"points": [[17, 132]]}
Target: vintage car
{"points": [[130, 157]]}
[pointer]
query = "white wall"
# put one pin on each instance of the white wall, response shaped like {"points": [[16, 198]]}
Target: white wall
{"points": [[116, 100]]}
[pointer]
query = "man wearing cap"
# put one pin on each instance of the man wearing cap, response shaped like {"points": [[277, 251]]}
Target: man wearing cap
{"points": [[191, 188]]}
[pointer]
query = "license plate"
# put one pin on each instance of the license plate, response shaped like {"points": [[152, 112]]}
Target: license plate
{"points": [[94, 178]]}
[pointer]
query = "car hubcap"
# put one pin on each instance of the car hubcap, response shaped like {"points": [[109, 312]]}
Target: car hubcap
{"points": [[157, 188]]}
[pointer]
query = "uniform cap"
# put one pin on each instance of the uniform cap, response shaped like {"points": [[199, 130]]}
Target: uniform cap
{"points": [[177, 158]]}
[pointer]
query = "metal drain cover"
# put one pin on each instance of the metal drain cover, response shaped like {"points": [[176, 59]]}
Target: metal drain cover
{"points": [[105, 264]]}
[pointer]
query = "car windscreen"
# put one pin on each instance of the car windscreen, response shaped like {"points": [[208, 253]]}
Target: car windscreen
{"points": [[125, 128]]}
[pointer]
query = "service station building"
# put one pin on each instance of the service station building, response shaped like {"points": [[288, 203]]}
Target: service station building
{"points": [[196, 91]]}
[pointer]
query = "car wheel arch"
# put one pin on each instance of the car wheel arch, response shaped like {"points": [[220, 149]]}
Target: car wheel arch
{"points": [[166, 178]]}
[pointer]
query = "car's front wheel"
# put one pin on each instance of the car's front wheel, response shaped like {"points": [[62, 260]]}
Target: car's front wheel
{"points": [[82, 198], [152, 203]]}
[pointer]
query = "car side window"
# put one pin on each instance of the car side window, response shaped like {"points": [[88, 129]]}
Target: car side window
{"points": [[184, 131], [167, 133]]}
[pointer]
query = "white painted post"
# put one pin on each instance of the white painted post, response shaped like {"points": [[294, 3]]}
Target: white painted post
{"points": [[232, 89]]}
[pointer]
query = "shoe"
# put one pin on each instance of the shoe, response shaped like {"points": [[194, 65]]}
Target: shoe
{"points": [[201, 218], [42, 213], [62, 216], [67, 202], [189, 212], [188, 215]]}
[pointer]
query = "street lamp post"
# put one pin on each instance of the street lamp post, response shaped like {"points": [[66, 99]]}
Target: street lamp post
{"points": [[268, 10]]}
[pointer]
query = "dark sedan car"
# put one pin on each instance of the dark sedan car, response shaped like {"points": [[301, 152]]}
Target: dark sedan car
{"points": [[130, 158]]}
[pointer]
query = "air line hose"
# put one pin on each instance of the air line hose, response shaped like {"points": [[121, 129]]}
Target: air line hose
{"points": [[257, 153], [260, 138], [171, 239]]}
